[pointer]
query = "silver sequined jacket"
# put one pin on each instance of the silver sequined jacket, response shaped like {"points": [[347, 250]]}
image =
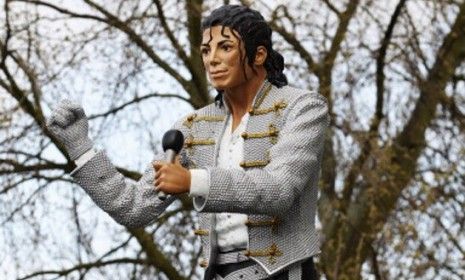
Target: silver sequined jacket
{"points": [[277, 186]]}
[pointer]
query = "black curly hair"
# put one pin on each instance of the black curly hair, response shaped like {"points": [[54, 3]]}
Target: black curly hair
{"points": [[254, 32]]}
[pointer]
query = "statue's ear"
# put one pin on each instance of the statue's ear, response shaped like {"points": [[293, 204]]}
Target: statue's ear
{"points": [[260, 56]]}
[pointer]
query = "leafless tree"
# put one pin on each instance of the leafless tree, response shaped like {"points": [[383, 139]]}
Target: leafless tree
{"points": [[392, 184]]}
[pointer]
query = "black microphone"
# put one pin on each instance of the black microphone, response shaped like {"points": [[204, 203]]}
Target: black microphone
{"points": [[172, 143]]}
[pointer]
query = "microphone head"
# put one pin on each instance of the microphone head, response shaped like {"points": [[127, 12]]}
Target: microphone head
{"points": [[173, 140]]}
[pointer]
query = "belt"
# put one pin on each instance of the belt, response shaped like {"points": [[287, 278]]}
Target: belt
{"points": [[227, 269], [249, 270], [231, 257]]}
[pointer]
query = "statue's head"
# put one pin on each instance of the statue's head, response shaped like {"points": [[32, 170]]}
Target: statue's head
{"points": [[252, 31]]}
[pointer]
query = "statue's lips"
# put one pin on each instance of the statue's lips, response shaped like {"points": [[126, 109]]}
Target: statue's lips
{"points": [[218, 74]]}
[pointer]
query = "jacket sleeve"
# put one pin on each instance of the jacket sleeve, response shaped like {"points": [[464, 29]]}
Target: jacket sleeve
{"points": [[132, 204], [294, 165]]}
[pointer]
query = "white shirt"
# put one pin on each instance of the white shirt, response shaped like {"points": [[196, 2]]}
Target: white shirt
{"points": [[231, 229]]}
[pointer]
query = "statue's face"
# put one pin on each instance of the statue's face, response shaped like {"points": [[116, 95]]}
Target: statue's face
{"points": [[223, 58]]}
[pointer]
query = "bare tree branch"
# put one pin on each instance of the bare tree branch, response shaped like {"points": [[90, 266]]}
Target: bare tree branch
{"points": [[294, 42], [380, 65], [117, 23], [169, 33], [456, 113], [86, 266], [61, 10], [136, 100], [332, 7], [371, 137], [154, 254], [4, 48]]}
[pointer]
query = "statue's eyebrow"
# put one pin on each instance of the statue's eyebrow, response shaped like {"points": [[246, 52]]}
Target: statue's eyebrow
{"points": [[219, 43]]}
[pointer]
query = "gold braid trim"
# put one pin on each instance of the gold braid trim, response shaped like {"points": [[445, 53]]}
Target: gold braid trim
{"points": [[201, 232], [277, 107], [203, 263], [190, 141], [262, 97], [272, 132], [273, 252], [209, 118], [189, 120], [195, 118], [254, 163], [273, 223]]}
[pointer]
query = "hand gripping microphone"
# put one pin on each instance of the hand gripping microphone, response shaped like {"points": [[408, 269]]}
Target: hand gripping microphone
{"points": [[172, 143]]}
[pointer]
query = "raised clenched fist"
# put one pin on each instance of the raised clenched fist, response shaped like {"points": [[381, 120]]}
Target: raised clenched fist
{"points": [[69, 124]]}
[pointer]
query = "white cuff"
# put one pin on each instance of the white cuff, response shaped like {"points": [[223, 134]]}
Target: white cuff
{"points": [[200, 187], [83, 159]]}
